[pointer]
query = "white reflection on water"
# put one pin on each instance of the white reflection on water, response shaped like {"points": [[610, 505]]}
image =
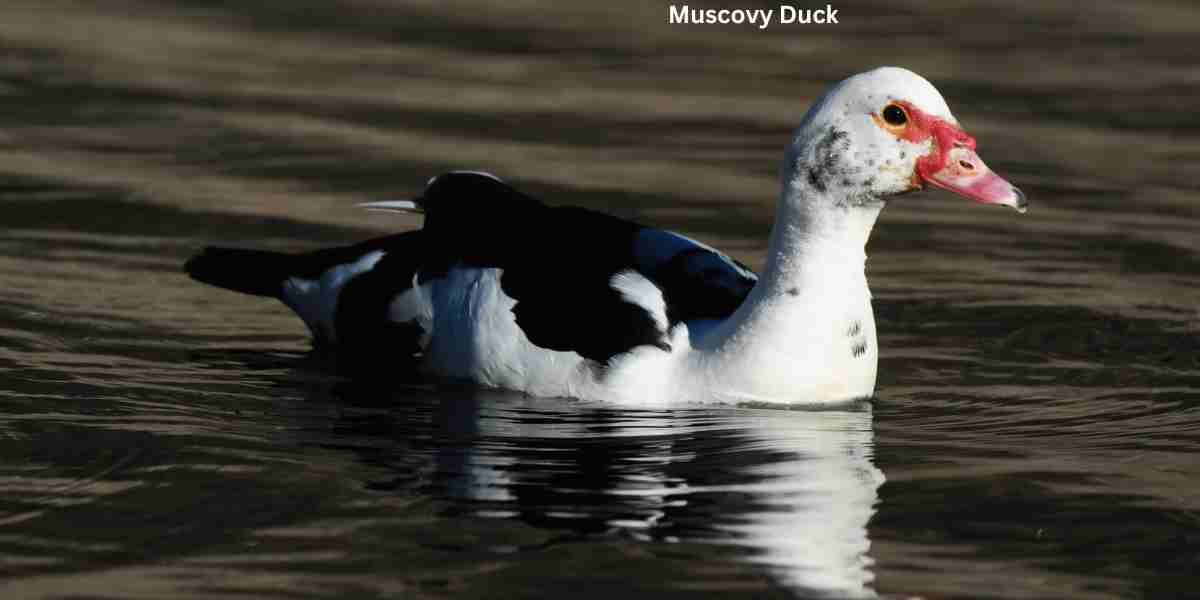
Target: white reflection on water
{"points": [[793, 489], [813, 523]]}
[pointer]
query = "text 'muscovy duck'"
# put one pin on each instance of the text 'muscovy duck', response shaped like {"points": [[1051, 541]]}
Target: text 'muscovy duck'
{"points": [[504, 291]]}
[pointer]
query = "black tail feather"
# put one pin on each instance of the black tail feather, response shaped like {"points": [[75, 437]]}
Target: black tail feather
{"points": [[257, 272]]}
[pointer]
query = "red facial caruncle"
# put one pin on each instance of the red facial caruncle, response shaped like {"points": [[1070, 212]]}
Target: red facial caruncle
{"points": [[951, 163]]}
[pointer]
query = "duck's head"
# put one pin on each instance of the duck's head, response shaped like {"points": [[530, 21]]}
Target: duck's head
{"points": [[887, 132]]}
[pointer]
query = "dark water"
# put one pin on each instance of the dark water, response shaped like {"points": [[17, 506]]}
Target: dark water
{"points": [[1037, 423]]}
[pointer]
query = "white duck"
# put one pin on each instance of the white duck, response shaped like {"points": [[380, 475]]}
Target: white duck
{"points": [[506, 292]]}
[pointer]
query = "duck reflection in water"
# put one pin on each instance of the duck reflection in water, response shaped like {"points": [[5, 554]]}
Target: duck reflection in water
{"points": [[792, 489]]}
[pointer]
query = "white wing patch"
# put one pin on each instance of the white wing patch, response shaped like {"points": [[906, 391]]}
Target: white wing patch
{"points": [[415, 304], [635, 289], [402, 206], [412, 207], [463, 172], [315, 300], [477, 338]]}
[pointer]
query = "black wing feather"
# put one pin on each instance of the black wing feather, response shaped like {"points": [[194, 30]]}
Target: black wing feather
{"points": [[558, 264], [366, 336]]}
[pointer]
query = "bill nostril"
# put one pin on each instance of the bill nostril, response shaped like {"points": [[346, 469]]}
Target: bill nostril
{"points": [[966, 165]]}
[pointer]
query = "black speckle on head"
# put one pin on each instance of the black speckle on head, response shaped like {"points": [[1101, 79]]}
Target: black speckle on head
{"points": [[870, 162], [793, 291], [868, 182], [903, 154], [824, 165], [859, 349], [855, 329], [815, 180]]}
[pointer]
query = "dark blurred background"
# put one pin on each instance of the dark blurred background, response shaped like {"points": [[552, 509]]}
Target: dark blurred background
{"points": [[1037, 419]]}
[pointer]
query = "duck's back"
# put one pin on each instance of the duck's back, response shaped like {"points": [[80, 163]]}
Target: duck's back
{"points": [[497, 288]]}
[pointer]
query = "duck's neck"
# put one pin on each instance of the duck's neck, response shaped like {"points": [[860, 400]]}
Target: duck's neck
{"points": [[815, 245], [806, 330]]}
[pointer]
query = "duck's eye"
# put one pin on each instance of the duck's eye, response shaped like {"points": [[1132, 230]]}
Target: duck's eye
{"points": [[894, 115]]}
